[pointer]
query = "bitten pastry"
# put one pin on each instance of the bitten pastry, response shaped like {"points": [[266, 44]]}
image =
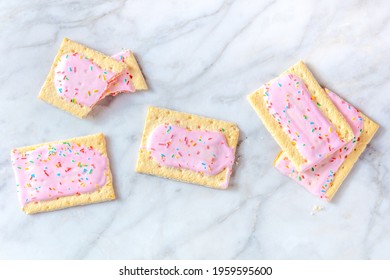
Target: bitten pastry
{"points": [[62, 174], [188, 148], [324, 178], [301, 117], [79, 77]]}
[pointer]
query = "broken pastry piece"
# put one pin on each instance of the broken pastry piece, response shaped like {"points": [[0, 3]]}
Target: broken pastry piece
{"points": [[134, 70], [188, 148], [62, 174], [324, 178], [301, 117]]}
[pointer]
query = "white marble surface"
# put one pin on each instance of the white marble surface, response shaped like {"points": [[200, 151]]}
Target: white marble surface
{"points": [[201, 57]]}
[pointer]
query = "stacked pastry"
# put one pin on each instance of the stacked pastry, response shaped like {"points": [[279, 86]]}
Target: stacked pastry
{"points": [[320, 134]]}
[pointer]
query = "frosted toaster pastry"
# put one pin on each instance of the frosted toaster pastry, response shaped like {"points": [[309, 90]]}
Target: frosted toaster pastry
{"points": [[79, 78], [325, 178], [62, 174], [187, 148], [301, 117]]}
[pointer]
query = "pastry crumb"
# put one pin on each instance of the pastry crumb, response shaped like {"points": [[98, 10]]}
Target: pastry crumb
{"points": [[316, 209]]}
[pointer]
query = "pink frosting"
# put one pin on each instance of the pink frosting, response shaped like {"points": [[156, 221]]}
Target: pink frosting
{"points": [[58, 170], [297, 112], [199, 151], [319, 177], [124, 81], [79, 80]]}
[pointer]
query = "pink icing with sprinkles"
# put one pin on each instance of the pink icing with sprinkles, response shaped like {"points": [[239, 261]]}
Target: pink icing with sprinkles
{"points": [[123, 83], [297, 112], [200, 151], [78, 80], [319, 177], [53, 171]]}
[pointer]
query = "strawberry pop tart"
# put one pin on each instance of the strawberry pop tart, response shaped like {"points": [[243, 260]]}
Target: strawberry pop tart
{"points": [[62, 174], [81, 76], [188, 148]]}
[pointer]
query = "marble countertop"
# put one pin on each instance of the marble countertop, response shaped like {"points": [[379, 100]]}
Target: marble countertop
{"points": [[201, 57]]}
